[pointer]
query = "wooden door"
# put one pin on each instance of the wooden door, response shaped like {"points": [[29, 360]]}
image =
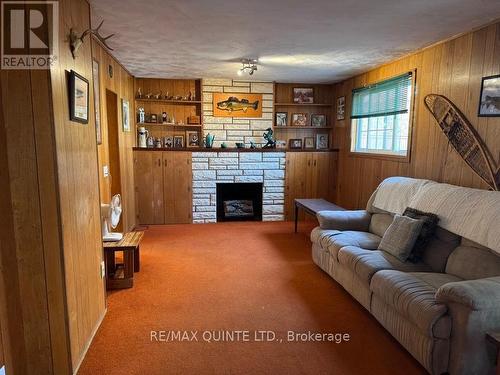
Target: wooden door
{"points": [[148, 174], [295, 180], [177, 181]]}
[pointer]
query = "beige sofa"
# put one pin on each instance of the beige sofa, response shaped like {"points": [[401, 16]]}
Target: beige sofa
{"points": [[439, 308]]}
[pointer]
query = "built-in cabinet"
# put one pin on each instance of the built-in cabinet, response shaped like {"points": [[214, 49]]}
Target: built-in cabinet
{"points": [[163, 187], [309, 175]]}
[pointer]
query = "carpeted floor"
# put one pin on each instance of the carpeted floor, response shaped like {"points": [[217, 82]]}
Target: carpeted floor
{"points": [[237, 276]]}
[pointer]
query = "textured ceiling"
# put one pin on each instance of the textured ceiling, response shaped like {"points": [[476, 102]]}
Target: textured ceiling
{"points": [[309, 41]]}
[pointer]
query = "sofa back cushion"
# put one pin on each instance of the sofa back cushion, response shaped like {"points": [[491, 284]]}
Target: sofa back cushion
{"points": [[469, 263], [379, 223], [439, 248]]}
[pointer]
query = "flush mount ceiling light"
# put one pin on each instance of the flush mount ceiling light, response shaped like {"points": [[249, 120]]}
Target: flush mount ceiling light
{"points": [[248, 65]]}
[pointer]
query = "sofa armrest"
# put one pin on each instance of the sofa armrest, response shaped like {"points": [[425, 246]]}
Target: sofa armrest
{"points": [[481, 294], [344, 220]]}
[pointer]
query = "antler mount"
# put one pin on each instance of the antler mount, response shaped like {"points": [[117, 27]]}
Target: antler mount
{"points": [[76, 41]]}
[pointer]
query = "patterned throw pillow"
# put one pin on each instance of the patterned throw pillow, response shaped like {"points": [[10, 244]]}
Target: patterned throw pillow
{"points": [[401, 236], [428, 229]]}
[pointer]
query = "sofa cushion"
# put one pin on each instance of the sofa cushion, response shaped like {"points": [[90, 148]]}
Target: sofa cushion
{"points": [[344, 220], [364, 263], [379, 223], [472, 263], [333, 240], [430, 221], [439, 248], [413, 296], [399, 239]]}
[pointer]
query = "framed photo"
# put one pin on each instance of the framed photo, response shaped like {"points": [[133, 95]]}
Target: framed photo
{"points": [[341, 108], [309, 142], [168, 141], [281, 118], [78, 98], [322, 141], [178, 141], [489, 102], [153, 118], [125, 115], [193, 138], [318, 120], [295, 143], [97, 100], [299, 119], [303, 95]]}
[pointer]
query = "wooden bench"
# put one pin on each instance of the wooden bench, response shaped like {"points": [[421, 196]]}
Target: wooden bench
{"points": [[120, 276], [313, 206]]}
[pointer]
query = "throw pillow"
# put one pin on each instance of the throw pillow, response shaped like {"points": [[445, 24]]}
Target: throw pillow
{"points": [[401, 236], [428, 229]]}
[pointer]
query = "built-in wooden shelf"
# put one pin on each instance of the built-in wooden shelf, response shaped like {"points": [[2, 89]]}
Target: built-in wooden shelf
{"points": [[291, 127], [302, 104], [169, 125], [232, 149], [167, 101]]}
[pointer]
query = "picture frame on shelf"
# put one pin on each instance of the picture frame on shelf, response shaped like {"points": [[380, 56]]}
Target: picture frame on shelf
{"points": [[178, 141], [281, 118], [489, 100], [153, 119], [78, 98], [193, 120], [168, 141], [341, 108], [192, 138], [318, 120], [309, 143], [299, 119], [322, 141], [303, 95], [125, 115], [97, 100], [295, 144]]}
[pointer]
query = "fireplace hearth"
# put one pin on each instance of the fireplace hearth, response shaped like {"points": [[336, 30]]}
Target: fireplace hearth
{"points": [[239, 201]]}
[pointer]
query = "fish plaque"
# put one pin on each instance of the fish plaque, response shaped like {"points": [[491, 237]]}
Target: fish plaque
{"points": [[237, 105]]}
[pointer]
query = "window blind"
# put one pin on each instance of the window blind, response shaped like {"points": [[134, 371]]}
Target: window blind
{"points": [[385, 98]]}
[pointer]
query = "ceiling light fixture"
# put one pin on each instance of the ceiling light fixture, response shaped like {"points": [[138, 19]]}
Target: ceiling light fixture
{"points": [[248, 65]]}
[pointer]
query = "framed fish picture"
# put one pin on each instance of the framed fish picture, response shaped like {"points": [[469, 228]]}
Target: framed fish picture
{"points": [[237, 105], [489, 104]]}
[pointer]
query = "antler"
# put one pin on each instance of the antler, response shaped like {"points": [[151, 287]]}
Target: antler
{"points": [[76, 41]]}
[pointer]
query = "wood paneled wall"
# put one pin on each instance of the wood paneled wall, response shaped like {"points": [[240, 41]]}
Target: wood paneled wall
{"points": [[78, 187], [122, 84], [453, 68]]}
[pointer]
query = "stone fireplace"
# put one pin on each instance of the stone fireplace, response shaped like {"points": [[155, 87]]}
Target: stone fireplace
{"points": [[239, 201], [212, 168]]}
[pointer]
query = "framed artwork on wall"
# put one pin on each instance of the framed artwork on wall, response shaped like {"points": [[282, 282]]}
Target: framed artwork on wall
{"points": [[309, 143], [237, 105], [78, 98], [281, 118], [178, 141], [341, 108], [125, 115], [295, 143], [299, 119], [97, 100], [318, 120], [489, 102], [193, 138]]}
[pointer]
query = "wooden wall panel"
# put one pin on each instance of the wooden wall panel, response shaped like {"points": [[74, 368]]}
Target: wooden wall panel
{"points": [[453, 68], [78, 186], [122, 84]]}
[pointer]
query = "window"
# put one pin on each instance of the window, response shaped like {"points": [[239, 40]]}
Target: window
{"points": [[380, 119]]}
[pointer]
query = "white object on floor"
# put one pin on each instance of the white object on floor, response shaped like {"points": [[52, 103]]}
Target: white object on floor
{"points": [[110, 218], [2, 370]]}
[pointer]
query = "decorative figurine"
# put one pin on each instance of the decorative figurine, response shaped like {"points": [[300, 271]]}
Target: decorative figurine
{"points": [[223, 145], [139, 93], [150, 142], [164, 117], [158, 95], [209, 140], [268, 136], [149, 95], [142, 115], [190, 96], [253, 145], [158, 143]]}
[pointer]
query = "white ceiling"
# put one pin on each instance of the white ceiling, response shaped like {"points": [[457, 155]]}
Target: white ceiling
{"points": [[294, 40]]}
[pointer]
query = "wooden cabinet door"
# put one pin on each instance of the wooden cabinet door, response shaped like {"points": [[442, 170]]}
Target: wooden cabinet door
{"points": [[177, 181], [323, 175], [149, 187], [295, 180]]}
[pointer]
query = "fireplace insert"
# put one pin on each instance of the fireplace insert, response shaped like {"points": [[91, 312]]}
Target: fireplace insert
{"points": [[239, 201]]}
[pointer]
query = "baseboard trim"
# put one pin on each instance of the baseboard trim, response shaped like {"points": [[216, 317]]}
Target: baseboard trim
{"points": [[87, 346]]}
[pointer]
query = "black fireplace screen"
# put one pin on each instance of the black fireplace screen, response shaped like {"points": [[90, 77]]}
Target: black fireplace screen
{"points": [[239, 201]]}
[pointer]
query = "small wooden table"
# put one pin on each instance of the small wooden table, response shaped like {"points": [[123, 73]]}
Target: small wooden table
{"points": [[313, 206], [119, 276]]}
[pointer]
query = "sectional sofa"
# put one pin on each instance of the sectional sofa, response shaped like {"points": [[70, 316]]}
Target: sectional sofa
{"points": [[440, 307]]}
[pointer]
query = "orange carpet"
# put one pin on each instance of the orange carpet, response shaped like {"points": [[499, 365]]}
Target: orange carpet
{"points": [[237, 277]]}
